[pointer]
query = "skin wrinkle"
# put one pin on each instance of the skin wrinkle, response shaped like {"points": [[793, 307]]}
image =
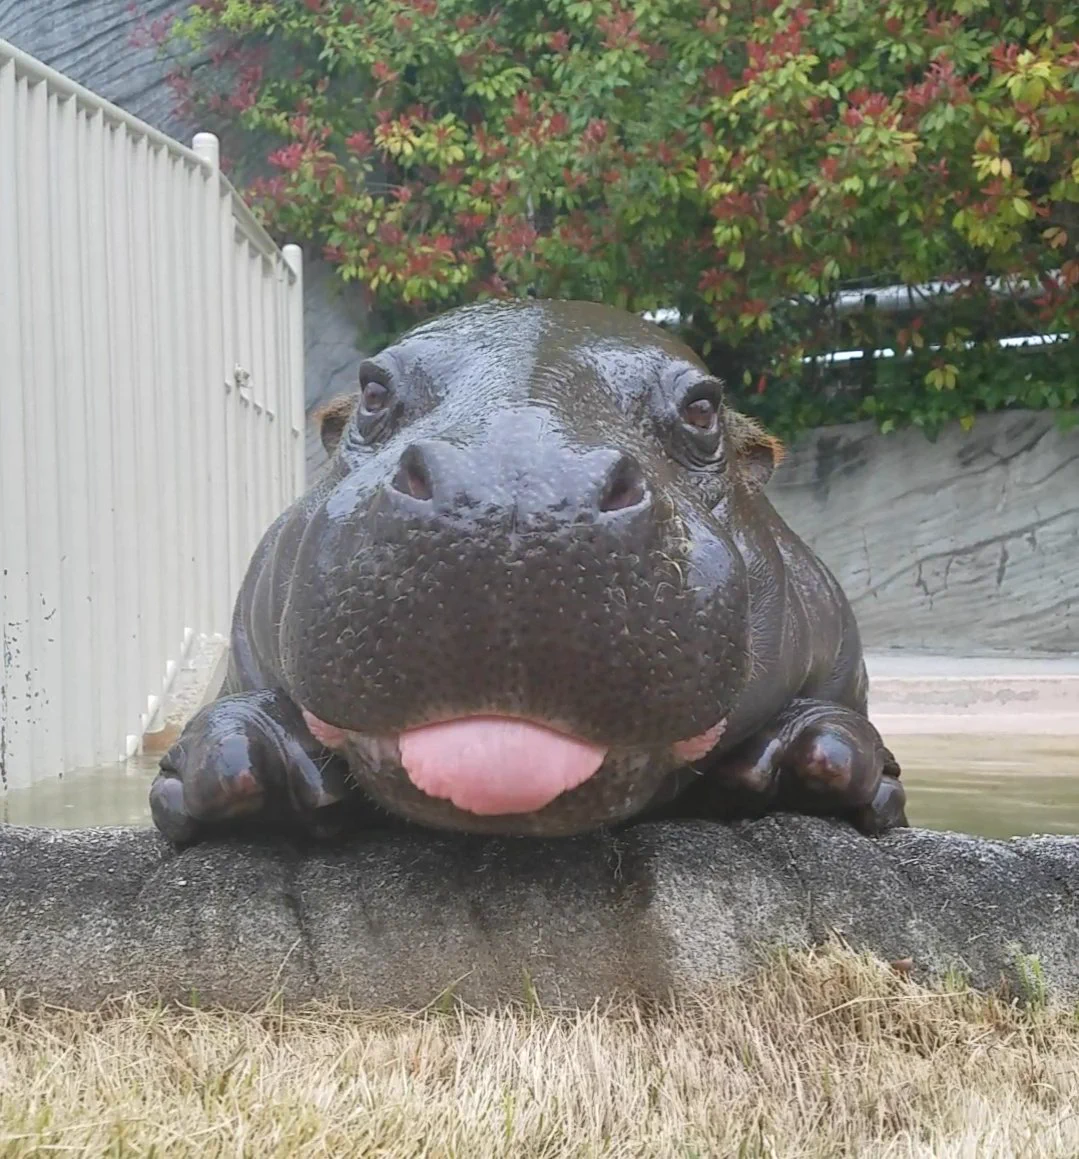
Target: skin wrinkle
{"points": [[501, 585]]}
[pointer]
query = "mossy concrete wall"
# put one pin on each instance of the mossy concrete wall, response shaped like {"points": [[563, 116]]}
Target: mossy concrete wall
{"points": [[967, 545]]}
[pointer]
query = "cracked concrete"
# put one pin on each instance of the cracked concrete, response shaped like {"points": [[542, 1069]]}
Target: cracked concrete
{"points": [[397, 920]]}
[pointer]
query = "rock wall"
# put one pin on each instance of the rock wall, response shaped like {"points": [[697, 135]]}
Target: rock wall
{"points": [[968, 545], [91, 41]]}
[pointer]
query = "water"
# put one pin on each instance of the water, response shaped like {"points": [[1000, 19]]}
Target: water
{"points": [[996, 786], [109, 795]]}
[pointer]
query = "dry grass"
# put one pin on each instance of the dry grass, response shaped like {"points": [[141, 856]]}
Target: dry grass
{"points": [[820, 1055]]}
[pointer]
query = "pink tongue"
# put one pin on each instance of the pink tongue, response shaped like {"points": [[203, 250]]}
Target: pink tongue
{"points": [[491, 765]]}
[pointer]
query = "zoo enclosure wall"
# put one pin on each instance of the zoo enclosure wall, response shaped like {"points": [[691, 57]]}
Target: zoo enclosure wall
{"points": [[151, 414]]}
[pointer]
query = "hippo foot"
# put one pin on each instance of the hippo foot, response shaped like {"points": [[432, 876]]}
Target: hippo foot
{"points": [[815, 757], [249, 761]]}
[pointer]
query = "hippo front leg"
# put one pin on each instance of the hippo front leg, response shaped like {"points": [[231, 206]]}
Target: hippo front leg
{"points": [[815, 757], [247, 757]]}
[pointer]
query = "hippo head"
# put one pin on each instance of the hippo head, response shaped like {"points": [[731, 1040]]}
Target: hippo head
{"points": [[515, 601]]}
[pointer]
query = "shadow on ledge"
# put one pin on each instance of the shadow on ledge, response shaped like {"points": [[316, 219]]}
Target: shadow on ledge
{"points": [[395, 921]]}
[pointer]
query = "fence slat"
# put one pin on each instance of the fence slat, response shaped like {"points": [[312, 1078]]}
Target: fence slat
{"points": [[153, 641], [135, 476], [261, 468], [103, 556], [69, 331], [293, 255], [164, 386], [213, 373], [15, 723], [45, 626], [242, 446], [129, 612]]}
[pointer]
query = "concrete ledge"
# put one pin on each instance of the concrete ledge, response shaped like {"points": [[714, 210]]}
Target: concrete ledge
{"points": [[891, 723], [397, 920], [885, 665], [986, 694], [962, 695]]}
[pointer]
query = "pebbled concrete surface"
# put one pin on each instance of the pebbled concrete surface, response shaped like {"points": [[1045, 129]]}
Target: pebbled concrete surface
{"points": [[397, 920]]}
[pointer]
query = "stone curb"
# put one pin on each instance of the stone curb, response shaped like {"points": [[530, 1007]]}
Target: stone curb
{"points": [[397, 920]]}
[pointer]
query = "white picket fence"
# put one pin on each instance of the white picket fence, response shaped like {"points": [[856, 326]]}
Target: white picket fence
{"points": [[151, 414]]}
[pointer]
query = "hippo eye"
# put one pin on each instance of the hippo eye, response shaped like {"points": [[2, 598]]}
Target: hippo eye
{"points": [[374, 397], [701, 413]]}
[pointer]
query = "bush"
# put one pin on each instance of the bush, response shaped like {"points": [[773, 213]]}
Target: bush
{"points": [[741, 161]]}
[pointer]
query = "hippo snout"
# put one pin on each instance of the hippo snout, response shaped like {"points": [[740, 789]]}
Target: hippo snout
{"points": [[436, 478], [519, 562], [623, 487]]}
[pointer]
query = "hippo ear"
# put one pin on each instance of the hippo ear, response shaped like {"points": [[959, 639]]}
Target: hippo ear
{"points": [[332, 419], [756, 452]]}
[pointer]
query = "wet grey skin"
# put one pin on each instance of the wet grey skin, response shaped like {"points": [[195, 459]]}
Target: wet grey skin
{"points": [[540, 510]]}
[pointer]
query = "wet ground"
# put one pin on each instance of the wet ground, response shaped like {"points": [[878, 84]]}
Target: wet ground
{"points": [[996, 786]]}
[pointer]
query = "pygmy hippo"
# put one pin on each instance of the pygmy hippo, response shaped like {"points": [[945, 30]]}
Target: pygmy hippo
{"points": [[537, 590]]}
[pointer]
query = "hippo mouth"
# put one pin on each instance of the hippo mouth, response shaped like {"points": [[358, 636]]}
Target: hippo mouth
{"points": [[493, 765]]}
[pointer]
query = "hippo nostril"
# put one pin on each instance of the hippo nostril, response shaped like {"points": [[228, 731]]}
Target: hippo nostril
{"points": [[624, 486], [412, 476]]}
